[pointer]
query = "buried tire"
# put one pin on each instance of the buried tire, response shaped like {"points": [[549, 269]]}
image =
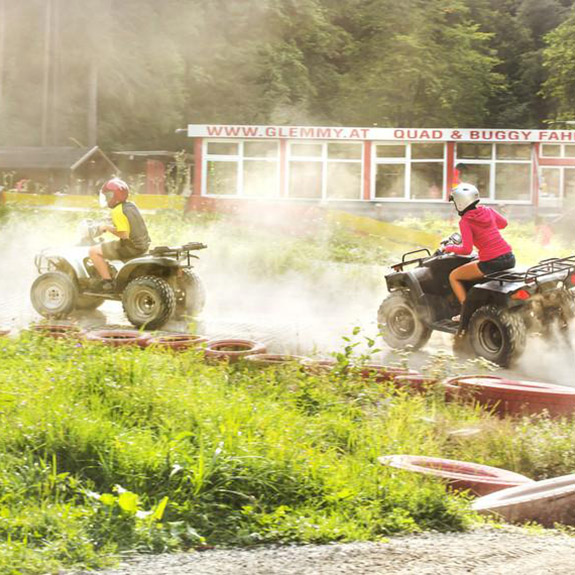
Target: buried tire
{"points": [[148, 302], [54, 294], [399, 323], [497, 334]]}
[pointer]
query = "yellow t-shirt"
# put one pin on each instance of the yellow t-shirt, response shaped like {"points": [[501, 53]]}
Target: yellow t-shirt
{"points": [[119, 219]]}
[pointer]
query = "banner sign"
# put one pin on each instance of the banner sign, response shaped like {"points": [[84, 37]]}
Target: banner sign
{"points": [[378, 134]]}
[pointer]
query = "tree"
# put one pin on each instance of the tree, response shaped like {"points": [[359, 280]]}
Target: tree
{"points": [[559, 61]]}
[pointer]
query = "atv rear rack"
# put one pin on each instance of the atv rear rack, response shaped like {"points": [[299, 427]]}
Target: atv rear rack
{"points": [[178, 252], [563, 267]]}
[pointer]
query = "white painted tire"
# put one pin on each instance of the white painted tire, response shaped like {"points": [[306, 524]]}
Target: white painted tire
{"points": [[547, 502]]}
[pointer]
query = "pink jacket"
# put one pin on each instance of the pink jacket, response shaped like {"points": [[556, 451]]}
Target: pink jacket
{"points": [[480, 227]]}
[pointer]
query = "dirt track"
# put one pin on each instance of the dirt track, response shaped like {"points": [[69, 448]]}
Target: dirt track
{"points": [[482, 552]]}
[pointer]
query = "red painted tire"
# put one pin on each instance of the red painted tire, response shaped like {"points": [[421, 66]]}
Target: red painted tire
{"points": [[57, 330], [547, 502], [117, 337], [272, 359], [414, 382], [4, 331], [232, 349], [461, 475], [511, 397], [175, 341]]}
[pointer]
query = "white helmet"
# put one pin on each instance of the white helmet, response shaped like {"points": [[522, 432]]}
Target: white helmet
{"points": [[463, 196]]}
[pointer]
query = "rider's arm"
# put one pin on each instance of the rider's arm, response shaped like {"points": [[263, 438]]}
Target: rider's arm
{"points": [[120, 225], [113, 230], [466, 246], [500, 221]]}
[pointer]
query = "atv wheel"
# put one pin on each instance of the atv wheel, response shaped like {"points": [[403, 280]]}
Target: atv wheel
{"points": [[191, 294], [149, 302], [88, 302], [54, 294], [497, 334], [399, 323]]}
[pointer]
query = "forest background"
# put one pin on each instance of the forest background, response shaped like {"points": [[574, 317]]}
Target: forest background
{"points": [[126, 74]]}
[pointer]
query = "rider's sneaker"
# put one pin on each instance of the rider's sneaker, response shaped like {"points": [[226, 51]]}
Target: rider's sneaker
{"points": [[456, 318]]}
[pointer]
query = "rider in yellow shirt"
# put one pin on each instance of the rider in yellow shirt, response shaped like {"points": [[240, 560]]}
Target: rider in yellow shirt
{"points": [[127, 225]]}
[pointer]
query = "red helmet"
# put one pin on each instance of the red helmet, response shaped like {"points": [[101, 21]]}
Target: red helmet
{"points": [[115, 191]]}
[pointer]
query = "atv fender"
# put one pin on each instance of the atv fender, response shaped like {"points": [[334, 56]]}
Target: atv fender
{"points": [[404, 281], [489, 293], [146, 265]]}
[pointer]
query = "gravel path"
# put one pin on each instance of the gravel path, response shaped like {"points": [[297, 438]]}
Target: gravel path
{"points": [[485, 551]]}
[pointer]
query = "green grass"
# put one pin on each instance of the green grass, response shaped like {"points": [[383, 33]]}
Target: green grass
{"points": [[105, 450]]}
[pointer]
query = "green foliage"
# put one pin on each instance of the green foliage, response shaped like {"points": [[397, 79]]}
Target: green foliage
{"points": [[153, 66]]}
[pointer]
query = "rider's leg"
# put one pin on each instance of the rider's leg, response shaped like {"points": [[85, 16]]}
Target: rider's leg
{"points": [[463, 273], [99, 262]]}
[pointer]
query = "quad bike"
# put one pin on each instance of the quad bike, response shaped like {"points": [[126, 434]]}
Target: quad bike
{"points": [[152, 288], [500, 309]]}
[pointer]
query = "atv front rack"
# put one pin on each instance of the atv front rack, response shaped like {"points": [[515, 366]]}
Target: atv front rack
{"points": [[545, 269], [178, 252]]}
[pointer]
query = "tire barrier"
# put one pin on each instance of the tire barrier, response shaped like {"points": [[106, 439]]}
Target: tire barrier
{"points": [[460, 475], [175, 341], [117, 337], [57, 330], [547, 502], [4, 331], [511, 397], [271, 359], [232, 349]]}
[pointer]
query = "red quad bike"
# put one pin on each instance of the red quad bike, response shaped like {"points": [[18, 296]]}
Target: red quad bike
{"points": [[500, 309], [153, 287]]}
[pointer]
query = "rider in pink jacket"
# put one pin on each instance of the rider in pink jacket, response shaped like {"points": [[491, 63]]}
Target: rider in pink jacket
{"points": [[480, 228]]}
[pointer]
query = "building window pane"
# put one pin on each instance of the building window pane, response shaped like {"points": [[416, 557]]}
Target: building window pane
{"points": [[550, 183], [477, 174], [513, 151], [569, 151], [305, 179], [390, 150], [427, 181], [260, 178], [344, 181], [306, 150], [222, 178], [569, 183], [513, 182], [344, 151], [551, 150], [474, 151], [223, 148], [390, 181], [260, 149], [427, 151]]}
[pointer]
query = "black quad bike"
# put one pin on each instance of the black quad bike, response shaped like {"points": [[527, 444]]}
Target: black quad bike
{"points": [[499, 311], [153, 287]]}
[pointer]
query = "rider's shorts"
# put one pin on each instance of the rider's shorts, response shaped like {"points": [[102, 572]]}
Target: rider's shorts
{"points": [[498, 264], [120, 250]]}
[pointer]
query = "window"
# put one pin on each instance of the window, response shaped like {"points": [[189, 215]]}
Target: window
{"points": [[513, 151], [390, 181], [305, 180], [331, 170], [410, 171], [222, 178], [248, 168], [550, 184], [500, 171], [551, 150], [513, 181]]}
